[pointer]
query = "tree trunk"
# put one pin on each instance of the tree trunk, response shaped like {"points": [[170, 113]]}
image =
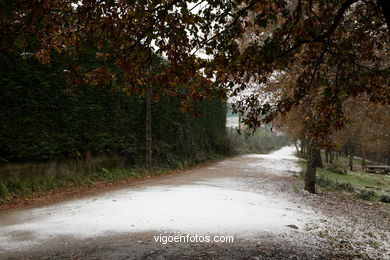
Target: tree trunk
{"points": [[363, 159], [386, 11], [327, 155], [318, 158], [331, 157], [351, 161], [303, 147], [377, 157], [337, 155], [148, 111], [246, 135], [239, 123], [296, 147], [310, 176]]}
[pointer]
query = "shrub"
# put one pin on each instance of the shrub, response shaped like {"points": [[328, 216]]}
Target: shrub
{"points": [[325, 182], [3, 191], [384, 198], [365, 194], [18, 187], [345, 186]]}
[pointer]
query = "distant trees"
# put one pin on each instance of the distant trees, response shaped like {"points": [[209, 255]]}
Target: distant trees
{"points": [[366, 133]]}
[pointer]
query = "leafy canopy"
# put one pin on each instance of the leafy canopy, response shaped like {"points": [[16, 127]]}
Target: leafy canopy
{"points": [[331, 49]]}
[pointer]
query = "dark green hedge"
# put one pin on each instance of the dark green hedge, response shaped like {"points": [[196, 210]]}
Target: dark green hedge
{"points": [[41, 120]]}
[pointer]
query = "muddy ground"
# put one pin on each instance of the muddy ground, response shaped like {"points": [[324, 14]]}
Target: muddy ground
{"points": [[256, 199]]}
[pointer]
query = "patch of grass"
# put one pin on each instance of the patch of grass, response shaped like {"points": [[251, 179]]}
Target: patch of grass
{"points": [[384, 198], [374, 244], [23, 189], [343, 161], [3, 192], [43, 185], [294, 188], [18, 187], [366, 194], [336, 169], [363, 185], [358, 180], [345, 186], [326, 182]]}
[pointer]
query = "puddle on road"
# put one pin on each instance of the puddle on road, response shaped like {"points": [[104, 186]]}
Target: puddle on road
{"points": [[203, 208]]}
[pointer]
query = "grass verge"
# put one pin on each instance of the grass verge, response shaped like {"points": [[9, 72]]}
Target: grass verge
{"points": [[362, 185], [16, 188]]}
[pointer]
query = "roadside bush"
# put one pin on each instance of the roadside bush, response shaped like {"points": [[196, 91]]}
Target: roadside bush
{"points": [[365, 194], [18, 187], [36, 186], [345, 186], [325, 182], [3, 191], [384, 198]]}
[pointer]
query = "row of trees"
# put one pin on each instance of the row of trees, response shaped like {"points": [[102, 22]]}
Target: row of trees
{"points": [[312, 55], [332, 75], [366, 133], [44, 119]]}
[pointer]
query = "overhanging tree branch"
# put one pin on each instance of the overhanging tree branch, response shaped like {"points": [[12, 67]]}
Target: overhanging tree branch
{"points": [[239, 15], [385, 6], [324, 37]]}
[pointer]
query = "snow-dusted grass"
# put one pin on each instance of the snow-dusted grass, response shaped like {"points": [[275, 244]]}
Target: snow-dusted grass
{"points": [[364, 185]]}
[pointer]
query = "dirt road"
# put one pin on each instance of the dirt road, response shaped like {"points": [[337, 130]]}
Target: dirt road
{"points": [[253, 198]]}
